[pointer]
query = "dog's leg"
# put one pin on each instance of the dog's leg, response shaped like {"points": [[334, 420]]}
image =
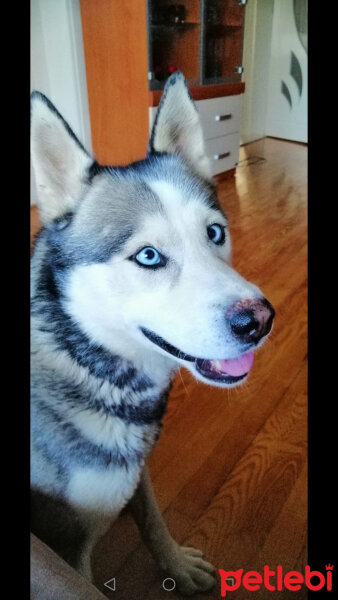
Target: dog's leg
{"points": [[186, 566], [97, 527], [85, 567]]}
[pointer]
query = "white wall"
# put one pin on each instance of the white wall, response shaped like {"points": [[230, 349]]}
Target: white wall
{"points": [[270, 35], [57, 64], [256, 62], [283, 120]]}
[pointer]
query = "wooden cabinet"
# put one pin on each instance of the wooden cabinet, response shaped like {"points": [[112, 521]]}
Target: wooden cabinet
{"points": [[130, 50]]}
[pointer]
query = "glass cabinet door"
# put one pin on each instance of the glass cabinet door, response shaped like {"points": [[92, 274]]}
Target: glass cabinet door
{"points": [[222, 41], [174, 36], [201, 38]]}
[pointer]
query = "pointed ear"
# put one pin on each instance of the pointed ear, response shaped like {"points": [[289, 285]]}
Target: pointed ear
{"points": [[177, 128], [60, 162]]}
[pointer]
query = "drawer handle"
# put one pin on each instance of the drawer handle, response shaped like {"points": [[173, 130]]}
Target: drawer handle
{"points": [[219, 156], [222, 117]]}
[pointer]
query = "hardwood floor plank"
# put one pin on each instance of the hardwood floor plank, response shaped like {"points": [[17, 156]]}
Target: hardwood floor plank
{"points": [[247, 504], [194, 498], [286, 539], [286, 544]]}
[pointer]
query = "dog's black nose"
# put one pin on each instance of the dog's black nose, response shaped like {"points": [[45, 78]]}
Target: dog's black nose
{"points": [[250, 320]]}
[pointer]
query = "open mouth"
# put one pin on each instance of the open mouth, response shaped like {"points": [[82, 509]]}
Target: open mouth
{"points": [[228, 371]]}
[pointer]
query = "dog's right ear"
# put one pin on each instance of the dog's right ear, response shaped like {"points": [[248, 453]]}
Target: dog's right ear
{"points": [[177, 127], [60, 162]]}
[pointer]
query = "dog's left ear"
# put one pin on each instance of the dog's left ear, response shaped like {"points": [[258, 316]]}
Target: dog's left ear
{"points": [[60, 162], [177, 128]]}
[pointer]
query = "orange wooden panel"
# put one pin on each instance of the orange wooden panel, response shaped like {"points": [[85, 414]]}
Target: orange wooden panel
{"points": [[115, 45]]}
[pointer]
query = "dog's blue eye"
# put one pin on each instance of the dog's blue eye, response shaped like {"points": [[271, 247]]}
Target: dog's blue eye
{"points": [[149, 257], [216, 233]]}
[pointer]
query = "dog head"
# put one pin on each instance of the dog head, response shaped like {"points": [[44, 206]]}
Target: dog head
{"points": [[142, 253]]}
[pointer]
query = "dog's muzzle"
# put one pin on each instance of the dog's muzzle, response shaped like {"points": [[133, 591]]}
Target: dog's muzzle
{"points": [[249, 321]]}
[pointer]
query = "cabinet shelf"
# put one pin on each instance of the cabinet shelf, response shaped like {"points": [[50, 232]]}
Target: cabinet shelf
{"points": [[219, 80], [172, 25], [222, 26]]}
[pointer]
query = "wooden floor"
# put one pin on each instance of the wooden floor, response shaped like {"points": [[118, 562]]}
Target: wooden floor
{"points": [[230, 469]]}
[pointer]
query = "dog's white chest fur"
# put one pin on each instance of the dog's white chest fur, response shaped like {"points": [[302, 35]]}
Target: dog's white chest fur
{"points": [[103, 490], [107, 489]]}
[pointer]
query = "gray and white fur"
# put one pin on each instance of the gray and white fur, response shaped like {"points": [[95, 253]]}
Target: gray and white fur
{"points": [[108, 333]]}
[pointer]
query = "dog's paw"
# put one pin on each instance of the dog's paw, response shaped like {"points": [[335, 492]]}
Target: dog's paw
{"points": [[191, 573]]}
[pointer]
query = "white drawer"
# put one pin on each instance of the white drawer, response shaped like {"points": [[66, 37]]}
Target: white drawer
{"points": [[227, 145], [220, 116]]}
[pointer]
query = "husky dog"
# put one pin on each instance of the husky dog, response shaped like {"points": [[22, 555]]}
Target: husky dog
{"points": [[131, 280]]}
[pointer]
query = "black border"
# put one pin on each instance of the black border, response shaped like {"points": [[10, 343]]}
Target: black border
{"points": [[323, 422]]}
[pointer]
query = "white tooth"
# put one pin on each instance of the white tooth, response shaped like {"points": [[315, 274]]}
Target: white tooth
{"points": [[217, 364]]}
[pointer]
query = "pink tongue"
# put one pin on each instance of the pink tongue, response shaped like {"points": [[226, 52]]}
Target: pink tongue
{"points": [[235, 366]]}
